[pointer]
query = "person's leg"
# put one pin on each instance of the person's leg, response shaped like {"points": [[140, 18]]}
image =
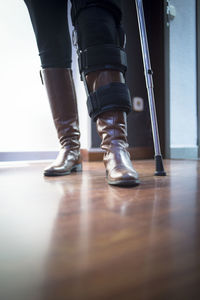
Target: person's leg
{"points": [[49, 21], [102, 64], [50, 25]]}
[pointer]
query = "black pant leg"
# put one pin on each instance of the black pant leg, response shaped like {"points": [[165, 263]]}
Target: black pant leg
{"points": [[96, 26], [95, 21], [50, 24]]}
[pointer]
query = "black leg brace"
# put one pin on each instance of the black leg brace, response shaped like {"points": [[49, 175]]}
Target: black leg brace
{"points": [[100, 41]]}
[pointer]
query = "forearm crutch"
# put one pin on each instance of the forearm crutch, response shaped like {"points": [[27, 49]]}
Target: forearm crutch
{"points": [[149, 83]]}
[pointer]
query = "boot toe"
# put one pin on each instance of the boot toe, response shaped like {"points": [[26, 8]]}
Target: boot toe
{"points": [[55, 171], [123, 177]]}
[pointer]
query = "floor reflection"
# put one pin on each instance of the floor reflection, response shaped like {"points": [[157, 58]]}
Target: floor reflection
{"points": [[75, 237]]}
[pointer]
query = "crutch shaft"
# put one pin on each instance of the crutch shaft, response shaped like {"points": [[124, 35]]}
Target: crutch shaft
{"points": [[149, 84]]}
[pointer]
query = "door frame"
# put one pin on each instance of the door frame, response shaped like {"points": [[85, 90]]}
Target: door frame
{"points": [[198, 72], [166, 79]]}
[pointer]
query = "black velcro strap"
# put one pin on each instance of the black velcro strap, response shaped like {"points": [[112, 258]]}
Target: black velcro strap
{"points": [[113, 96], [100, 57]]}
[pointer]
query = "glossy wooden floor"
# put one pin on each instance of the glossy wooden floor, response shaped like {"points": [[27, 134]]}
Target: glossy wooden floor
{"points": [[75, 237]]}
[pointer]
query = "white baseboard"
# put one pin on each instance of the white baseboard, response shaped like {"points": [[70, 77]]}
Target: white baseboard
{"points": [[184, 152], [28, 155]]}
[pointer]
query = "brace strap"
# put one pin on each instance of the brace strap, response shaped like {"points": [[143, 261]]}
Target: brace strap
{"points": [[113, 96], [100, 57]]}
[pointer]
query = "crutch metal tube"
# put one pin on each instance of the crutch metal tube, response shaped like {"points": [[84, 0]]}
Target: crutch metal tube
{"points": [[149, 83]]}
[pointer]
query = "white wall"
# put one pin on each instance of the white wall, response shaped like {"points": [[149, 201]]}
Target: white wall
{"points": [[183, 97], [25, 118]]}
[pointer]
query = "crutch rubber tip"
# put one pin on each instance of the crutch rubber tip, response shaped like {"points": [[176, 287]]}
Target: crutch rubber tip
{"points": [[159, 166], [160, 173]]}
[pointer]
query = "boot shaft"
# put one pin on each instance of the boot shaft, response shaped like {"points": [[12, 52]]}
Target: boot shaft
{"points": [[62, 99], [112, 128]]}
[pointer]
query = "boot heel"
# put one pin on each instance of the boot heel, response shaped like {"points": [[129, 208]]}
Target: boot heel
{"points": [[77, 168]]}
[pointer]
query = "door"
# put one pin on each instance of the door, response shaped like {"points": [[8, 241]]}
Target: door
{"points": [[183, 87]]}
